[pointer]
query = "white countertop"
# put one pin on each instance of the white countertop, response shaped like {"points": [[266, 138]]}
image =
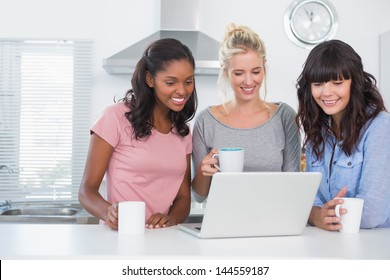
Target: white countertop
{"points": [[62, 241]]}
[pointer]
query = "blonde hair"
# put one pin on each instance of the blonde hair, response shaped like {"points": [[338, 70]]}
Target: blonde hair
{"points": [[238, 39]]}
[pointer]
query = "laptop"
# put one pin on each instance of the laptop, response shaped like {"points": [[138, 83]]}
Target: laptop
{"points": [[251, 204]]}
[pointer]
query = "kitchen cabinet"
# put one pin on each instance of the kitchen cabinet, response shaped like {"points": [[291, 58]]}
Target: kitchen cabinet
{"points": [[384, 81]]}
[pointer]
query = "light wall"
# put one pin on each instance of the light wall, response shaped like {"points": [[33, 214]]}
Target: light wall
{"points": [[384, 63], [115, 24]]}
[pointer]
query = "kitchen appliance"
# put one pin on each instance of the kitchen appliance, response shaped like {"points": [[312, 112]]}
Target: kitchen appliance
{"points": [[179, 20], [249, 204]]}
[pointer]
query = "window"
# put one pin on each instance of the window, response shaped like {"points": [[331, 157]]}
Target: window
{"points": [[44, 118]]}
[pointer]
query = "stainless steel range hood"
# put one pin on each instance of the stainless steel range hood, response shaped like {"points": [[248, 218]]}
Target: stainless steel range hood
{"points": [[179, 19]]}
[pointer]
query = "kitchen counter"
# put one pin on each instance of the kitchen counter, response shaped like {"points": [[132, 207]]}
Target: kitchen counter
{"points": [[69, 241]]}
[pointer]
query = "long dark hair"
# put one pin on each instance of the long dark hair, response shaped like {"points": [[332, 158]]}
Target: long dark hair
{"points": [[336, 60], [141, 99]]}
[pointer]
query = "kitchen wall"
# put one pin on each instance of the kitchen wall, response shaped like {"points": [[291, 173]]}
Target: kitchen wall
{"points": [[384, 64], [115, 24]]}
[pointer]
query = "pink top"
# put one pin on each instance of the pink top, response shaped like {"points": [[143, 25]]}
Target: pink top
{"points": [[150, 170]]}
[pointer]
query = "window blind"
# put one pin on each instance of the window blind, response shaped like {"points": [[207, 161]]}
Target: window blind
{"points": [[44, 118]]}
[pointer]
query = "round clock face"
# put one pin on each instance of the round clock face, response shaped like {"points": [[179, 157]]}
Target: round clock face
{"points": [[310, 22]]}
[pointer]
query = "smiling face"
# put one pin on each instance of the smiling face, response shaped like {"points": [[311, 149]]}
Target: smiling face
{"points": [[332, 97], [173, 86], [246, 73]]}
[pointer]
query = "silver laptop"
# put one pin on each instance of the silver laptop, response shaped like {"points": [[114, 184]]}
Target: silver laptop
{"points": [[249, 204]]}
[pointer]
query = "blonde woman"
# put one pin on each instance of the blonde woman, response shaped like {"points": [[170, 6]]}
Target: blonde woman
{"points": [[267, 131]]}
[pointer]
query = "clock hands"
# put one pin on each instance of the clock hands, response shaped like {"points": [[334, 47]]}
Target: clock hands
{"points": [[309, 14]]}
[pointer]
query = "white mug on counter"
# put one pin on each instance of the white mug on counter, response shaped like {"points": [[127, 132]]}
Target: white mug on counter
{"points": [[131, 217], [230, 159], [351, 220]]}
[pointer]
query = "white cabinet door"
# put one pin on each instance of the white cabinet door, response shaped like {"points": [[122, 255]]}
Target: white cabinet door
{"points": [[384, 79]]}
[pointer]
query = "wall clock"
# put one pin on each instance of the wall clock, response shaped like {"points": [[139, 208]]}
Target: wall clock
{"points": [[310, 22]]}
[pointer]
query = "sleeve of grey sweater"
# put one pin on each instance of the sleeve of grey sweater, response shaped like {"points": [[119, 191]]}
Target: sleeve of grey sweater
{"points": [[292, 151], [200, 149]]}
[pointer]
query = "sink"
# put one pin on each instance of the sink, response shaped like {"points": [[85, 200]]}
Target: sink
{"points": [[46, 213], [58, 212]]}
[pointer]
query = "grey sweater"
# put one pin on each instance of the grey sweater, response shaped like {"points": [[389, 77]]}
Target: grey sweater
{"points": [[272, 146]]}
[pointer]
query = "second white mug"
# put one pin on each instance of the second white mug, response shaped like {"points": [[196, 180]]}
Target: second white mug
{"points": [[351, 220]]}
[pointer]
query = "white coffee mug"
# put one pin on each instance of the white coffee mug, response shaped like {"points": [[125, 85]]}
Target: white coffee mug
{"points": [[131, 217], [351, 220], [230, 159]]}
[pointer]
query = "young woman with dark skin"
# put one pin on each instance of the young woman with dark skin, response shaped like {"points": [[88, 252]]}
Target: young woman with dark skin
{"points": [[142, 144]]}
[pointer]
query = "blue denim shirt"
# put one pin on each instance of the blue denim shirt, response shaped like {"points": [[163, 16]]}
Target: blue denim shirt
{"points": [[365, 173]]}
